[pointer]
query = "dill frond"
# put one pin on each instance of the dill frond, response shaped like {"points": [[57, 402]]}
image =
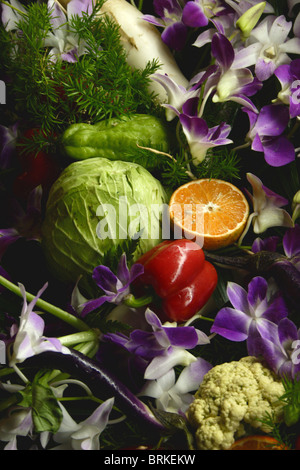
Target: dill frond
{"points": [[220, 163]]}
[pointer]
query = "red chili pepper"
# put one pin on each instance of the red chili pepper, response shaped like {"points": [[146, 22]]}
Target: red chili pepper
{"points": [[180, 276]]}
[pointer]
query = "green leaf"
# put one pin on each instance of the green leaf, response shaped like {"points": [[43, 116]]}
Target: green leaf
{"points": [[26, 394], [46, 413], [38, 395]]}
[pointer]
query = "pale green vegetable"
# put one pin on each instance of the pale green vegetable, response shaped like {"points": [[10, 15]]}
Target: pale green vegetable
{"points": [[232, 397], [96, 205]]}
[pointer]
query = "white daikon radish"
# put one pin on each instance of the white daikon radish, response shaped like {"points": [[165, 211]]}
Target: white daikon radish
{"points": [[142, 43]]}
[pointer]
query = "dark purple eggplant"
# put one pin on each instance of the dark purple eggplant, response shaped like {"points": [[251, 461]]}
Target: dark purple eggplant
{"points": [[101, 382], [264, 263]]}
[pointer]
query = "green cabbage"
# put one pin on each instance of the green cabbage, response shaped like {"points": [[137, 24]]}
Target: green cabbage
{"points": [[86, 211]]}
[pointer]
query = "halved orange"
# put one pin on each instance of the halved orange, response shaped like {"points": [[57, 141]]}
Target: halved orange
{"points": [[212, 211], [258, 442]]}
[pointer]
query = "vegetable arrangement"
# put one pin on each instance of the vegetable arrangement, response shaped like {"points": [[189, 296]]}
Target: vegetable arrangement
{"points": [[115, 332]]}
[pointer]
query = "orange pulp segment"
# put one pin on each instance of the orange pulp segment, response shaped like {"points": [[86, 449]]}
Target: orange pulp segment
{"points": [[212, 211]]}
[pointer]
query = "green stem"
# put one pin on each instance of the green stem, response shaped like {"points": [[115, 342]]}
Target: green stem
{"points": [[56, 311], [81, 337], [131, 301], [89, 397], [206, 318]]}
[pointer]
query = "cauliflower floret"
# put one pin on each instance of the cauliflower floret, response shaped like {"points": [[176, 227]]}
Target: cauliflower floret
{"points": [[231, 395]]}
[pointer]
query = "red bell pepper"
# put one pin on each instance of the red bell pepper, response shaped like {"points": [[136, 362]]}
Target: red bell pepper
{"points": [[180, 276]]}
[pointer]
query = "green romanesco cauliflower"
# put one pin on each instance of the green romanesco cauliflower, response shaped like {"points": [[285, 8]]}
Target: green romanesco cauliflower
{"points": [[232, 395]]}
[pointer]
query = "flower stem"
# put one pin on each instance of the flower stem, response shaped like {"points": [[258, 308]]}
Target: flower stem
{"points": [[131, 301], [81, 337], [56, 311]]}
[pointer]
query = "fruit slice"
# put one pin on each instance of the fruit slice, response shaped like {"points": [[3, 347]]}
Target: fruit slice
{"points": [[258, 442], [212, 212]]}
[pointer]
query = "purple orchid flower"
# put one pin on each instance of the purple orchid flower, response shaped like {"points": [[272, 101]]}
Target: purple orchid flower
{"points": [[170, 13], [65, 43], [8, 137], [282, 351], [115, 286], [175, 396], [256, 314], [199, 136], [289, 78], [84, 435], [227, 18], [29, 338], [177, 94], [267, 207], [268, 46], [266, 134], [198, 13], [26, 224], [162, 348], [291, 245], [227, 80], [266, 244]]}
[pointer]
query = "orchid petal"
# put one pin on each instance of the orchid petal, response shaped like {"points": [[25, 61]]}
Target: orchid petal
{"points": [[237, 296], [160, 365], [231, 324], [191, 376], [271, 217], [204, 38], [165, 8], [291, 241], [279, 151], [193, 15], [58, 18], [106, 279], [272, 120], [185, 337], [243, 101], [287, 332], [222, 50], [78, 7], [153, 20], [266, 244], [257, 291], [11, 17], [100, 416], [279, 30], [246, 56], [175, 36], [91, 305]]}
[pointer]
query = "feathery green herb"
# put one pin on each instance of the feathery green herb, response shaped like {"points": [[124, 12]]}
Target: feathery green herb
{"points": [[55, 93]]}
